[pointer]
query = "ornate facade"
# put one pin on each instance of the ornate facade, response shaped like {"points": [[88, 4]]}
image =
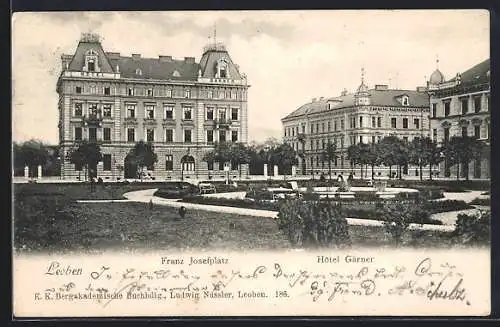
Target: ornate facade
{"points": [[181, 106], [366, 116], [461, 106]]}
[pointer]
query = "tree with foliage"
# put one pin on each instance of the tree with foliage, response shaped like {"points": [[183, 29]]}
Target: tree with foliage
{"points": [[239, 155], [329, 154], [372, 156], [435, 156], [32, 153], [462, 150], [142, 155], [420, 150], [388, 146], [284, 156], [87, 155], [354, 156]]}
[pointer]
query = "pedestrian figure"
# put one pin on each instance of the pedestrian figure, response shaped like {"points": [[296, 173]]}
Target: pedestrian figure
{"points": [[92, 185], [182, 212], [151, 204]]}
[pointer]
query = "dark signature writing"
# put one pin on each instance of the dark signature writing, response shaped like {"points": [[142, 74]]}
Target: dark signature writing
{"points": [[432, 282]]}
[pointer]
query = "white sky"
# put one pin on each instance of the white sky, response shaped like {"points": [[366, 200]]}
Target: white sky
{"points": [[288, 56]]}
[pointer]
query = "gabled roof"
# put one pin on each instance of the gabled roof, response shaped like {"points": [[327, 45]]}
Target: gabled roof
{"points": [[377, 97], [78, 60]]}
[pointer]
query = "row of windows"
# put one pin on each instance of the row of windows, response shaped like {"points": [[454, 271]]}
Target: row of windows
{"points": [[464, 132], [376, 122], [464, 106], [324, 163], [161, 92], [94, 109], [149, 133]]}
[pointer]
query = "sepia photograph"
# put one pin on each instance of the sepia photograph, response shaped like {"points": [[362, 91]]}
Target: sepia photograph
{"points": [[199, 140]]}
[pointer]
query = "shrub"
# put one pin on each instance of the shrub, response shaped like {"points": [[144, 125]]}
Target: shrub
{"points": [[313, 223], [447, 205], [397, 217], [481, 202], [473, 229]]}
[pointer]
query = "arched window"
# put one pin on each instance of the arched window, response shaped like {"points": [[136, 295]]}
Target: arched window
{"points": [[91, 61], [222, 69], [187, 163]]}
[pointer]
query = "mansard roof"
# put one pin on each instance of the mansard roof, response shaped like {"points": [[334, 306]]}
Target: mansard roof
{"points": [[389, 98], [161, 68]]}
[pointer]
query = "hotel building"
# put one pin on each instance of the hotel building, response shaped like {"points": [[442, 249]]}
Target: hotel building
{"points": [[461, 106], [181, 106], [365, 116]]}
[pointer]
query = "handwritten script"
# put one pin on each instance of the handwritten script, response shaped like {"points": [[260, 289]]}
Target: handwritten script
{"points": [[428, 280]]}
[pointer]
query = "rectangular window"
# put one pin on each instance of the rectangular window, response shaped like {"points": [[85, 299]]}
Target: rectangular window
{"points": [[342, 125], [210, 165], [434, 110], [168, 93], [405, 122], [233, 94], [187, 94], [234, 113], [317, 127], [464, 131], [393, 122], [228, 94], [187, 135], [210, 94], [130, 91], [169, 111], [477, 104], [93, 111], [78, 133], [130, 135], [416, 122], [106, 160], [78, 109], [488, 98], [149, 92], [106, 134], [169, 162], [150, 111], [335, 126], [169, 135], [210, 136], [447, 108], [78, 90], [234, 136], [465, 105], [92, 134], [446, 135], [107, 90], [360, 139], [150, 135], [317, 144], [131, 110], [434, 134], [221, 165], [187, 113], [106, 110], [312, 128], [93, 89], [361, 122], [210, 113], [374, 124], [222, 136], [405, 138], [379, 122], [323, 127], [312, 144], [373, 138], [477, 132]]}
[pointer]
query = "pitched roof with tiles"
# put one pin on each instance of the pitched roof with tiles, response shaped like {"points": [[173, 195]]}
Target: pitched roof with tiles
{"points": [[378, 98], [479, 74]]}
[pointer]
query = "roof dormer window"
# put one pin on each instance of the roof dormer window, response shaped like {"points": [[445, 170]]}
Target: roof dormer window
{"points": [[138, 71], [222, 70], [176, 74], [405, 100], [91, 61]]}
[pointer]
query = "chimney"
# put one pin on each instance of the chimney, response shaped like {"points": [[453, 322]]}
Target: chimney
{"points": [[165, 58], [189, 60], [343, 93], [421, 89], [313, 99], [381, 87], [321, 98], [136, 56]]}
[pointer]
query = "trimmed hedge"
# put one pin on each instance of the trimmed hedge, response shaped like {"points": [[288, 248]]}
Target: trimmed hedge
{"points": [[481, 201]]}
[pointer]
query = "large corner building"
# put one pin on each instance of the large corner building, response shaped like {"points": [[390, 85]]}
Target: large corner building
{"points": [[365, 116], [181, 106], [461, 106]]}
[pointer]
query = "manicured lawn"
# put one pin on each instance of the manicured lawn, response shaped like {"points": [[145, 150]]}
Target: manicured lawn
{"points": [[47, 218]]}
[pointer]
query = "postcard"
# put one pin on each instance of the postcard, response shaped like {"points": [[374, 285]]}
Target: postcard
{"points": [[251, 163]]}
